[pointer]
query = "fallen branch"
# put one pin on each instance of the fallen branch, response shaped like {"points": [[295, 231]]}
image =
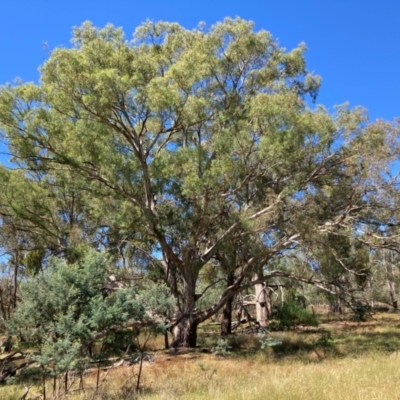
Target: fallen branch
{"points": [[27, 388]]}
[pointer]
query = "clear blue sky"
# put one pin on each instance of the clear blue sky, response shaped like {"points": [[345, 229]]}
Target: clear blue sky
{"points": [[353, 44]]}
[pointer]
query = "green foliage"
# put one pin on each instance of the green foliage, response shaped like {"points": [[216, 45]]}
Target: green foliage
{"points": [[197, 146], [292, 313], [324, 339], [34, 261], [222, 348], [268, 341], [64, 308], [362, 310]]}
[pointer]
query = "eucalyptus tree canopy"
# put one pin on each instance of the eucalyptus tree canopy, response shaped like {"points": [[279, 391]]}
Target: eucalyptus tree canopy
{"points": [[206, 141]]}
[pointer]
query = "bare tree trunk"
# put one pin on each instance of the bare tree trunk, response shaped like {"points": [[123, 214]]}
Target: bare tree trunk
{"points": [[43, 384], [388, 264], [166, 342], [184, 333], [66, 382], [336, 302], [262, 300], [15, 279], [392, 293], [337, 305], [391, 285], [184, 330], [3, 310], [370, 285], [226, 323]]}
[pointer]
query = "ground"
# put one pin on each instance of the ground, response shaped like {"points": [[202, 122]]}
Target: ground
{"points": [[341, 359]]}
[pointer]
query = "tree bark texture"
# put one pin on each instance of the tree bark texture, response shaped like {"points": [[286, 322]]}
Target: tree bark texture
{"points": [[226, 323], [184, 333], [184, 330], [262, 302]]}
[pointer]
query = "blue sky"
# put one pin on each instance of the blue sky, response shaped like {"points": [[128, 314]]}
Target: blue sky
{"points": [[353, 44]]}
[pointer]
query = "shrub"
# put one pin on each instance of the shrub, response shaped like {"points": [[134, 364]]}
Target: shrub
{"points": [[64, 310], [268, 341], [362, 310], [291, 314], [222, 348]]}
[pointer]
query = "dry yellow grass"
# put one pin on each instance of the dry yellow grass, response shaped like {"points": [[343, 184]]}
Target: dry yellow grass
{"points": [[199, 376], [363, 363], [368, 377]]}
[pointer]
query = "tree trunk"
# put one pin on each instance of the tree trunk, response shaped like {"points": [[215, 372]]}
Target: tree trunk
{"points": [[389, 280], [337, 305], [226, 323], [262, 301], [3, 309], [184, 333], [184, 330], [166, 341], [392, 293], [16, 264]]}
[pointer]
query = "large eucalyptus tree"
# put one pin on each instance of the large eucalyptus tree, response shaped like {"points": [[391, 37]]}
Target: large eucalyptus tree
{"points": [[206, 140]]}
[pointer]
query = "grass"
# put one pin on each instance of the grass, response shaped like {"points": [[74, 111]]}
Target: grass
{"points": [[367, 377], [342, 359]]}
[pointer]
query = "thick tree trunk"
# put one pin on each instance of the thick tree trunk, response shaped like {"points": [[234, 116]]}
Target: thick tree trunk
{"points": [[262, 302], [184, 330], [184, 333]]}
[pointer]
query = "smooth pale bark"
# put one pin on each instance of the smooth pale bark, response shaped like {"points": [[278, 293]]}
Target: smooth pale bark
{"points": [[388, 265], [262, 301], [392, 293]]}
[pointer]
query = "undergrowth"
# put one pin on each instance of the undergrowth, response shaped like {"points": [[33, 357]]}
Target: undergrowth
{"points": [[339, 359]]}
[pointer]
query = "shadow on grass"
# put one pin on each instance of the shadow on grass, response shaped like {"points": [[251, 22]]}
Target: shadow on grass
{"points": [[316, 345], [368, 342]]}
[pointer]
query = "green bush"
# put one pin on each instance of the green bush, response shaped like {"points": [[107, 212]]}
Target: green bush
{"points": [[324, 339], [291, 314], [222, 348], [64, 309], [268, 341], [362, 310]]}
